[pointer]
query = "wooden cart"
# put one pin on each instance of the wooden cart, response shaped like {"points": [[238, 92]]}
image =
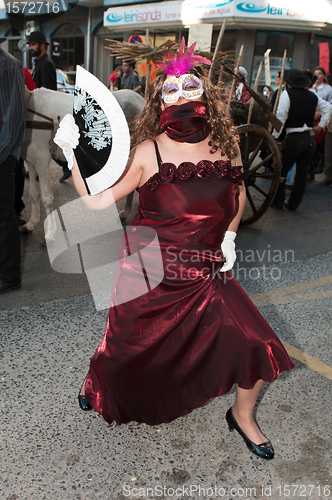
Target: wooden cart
{"points": [[261, 161]]}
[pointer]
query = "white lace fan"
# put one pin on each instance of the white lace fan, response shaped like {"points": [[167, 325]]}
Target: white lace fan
{"points": [[104, 144]]}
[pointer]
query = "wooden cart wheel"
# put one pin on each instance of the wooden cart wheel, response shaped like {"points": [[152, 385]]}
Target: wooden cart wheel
{"points": [[262, 167]]}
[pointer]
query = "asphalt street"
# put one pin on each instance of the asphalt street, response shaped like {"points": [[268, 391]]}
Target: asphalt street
{"points": [[50, 328]]}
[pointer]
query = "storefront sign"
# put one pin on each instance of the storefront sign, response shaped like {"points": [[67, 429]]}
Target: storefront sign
{"points": [[190, 11], [291, 10], [56, 46], [143, 14], [186, 12]]}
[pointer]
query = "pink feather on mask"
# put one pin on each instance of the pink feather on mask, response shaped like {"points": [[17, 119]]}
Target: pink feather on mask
{"points": [[182, 61]]}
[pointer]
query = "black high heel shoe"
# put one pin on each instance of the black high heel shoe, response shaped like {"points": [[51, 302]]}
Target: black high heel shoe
{"points": [[264, 450], [82, 401]]}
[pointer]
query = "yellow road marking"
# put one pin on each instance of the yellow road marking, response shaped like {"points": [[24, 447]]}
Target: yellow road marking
{"points": [[308, 360], [291, 294]]}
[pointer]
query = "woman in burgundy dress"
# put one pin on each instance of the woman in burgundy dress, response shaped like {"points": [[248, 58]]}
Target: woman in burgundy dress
{"points": [[194, 333]]}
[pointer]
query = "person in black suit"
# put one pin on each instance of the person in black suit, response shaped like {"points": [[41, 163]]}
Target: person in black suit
{"points": [[44, 74], [296, 110]]}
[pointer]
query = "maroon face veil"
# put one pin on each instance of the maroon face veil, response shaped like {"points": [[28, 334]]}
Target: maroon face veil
{"points": [[184, 122]]}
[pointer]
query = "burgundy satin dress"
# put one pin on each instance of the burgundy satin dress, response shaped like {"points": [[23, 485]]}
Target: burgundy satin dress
{"points": [[195, 332]]}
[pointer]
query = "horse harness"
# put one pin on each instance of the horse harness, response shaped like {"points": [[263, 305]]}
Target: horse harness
{"points": [[49, 124]]}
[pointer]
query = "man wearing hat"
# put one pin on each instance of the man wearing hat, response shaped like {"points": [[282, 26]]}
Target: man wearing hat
{"points": [[12, 123], [44, 73], [45, 76], [296, 110]]}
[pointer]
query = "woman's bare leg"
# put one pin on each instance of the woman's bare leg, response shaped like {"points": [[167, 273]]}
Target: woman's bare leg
{"points": [[82, 391], [243, 412]]}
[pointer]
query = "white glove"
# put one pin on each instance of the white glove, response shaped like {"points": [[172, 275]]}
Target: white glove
{"points": [[228, 250], [67, 138]]}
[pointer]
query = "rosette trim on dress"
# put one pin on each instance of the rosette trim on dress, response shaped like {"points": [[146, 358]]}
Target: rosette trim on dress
{"points": [[203, 169]]}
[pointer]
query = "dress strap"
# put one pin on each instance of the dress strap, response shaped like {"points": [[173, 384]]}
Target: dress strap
{"points": [[159, 160]]}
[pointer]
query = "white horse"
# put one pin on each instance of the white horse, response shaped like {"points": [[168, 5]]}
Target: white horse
{"points": [[36, 148]]}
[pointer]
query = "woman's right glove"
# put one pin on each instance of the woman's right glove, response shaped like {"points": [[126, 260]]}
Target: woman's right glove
{"points": [[67, 138]]}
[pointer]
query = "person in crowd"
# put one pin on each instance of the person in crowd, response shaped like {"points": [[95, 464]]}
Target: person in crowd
{"points": [[324, 90], [317, 164], [12, 124], [296, 110], [196, 333], [44, 75], [291, 174], [129, 79], [321, 85], [115, 79], [241, 94]]}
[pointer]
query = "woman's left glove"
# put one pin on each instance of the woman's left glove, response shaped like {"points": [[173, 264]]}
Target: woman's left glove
{"points": [[67, 138], [228, 250]]}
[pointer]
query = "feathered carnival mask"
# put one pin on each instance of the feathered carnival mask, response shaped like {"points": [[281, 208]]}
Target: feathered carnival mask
{"points": [[179, 82]]}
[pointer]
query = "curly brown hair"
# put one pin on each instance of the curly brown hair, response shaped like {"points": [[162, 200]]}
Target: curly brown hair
{"points": [[221, 129]]}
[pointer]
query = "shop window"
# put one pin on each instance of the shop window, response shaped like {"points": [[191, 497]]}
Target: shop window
{"points": [[67, 47], [228, 43], [277, 42]]}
